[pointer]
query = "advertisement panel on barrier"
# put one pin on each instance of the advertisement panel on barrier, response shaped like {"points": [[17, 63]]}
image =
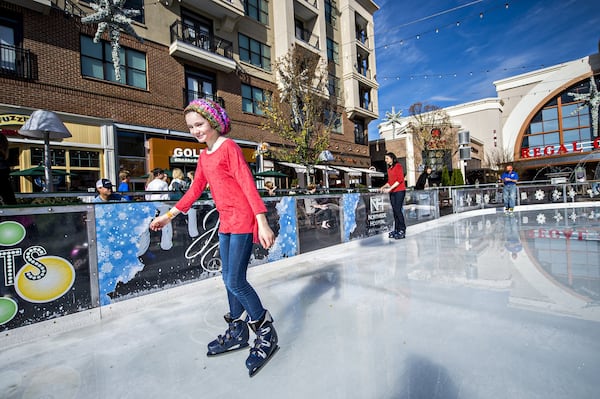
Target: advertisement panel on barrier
{"points": [[319, 222], [133, 261], [44, 267]]}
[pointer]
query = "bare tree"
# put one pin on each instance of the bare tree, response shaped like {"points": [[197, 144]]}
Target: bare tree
{"points": [[301, 111], [432, 132], [495, 158]]}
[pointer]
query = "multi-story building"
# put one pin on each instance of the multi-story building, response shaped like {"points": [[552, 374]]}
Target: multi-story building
{"points": [[218, 49], [545, 122]]}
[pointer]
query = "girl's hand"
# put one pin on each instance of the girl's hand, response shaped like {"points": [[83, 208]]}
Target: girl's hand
{"points": [[266, 237], [159, 222]]}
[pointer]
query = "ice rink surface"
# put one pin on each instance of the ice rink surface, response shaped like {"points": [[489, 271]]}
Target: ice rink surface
{"points": [[471, 306]]}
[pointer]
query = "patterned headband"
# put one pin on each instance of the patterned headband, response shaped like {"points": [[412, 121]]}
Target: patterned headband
{"points": [[212, 112]]}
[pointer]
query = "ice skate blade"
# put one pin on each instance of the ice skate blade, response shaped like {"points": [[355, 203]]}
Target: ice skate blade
{"points": [[255, 371], [214, 354]]}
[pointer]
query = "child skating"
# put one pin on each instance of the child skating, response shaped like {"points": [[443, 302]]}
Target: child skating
{"points": [[242, 223]]}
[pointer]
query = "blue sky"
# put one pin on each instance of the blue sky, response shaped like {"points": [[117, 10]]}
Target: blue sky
{"points": [[476, 43]]}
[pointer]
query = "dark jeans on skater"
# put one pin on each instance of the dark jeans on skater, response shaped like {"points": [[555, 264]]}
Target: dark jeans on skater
{"points": [[235, 250], [397, 201]]}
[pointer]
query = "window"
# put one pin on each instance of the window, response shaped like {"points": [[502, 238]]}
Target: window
{"points": [[255, 52], [258, 10], [96, 62], [333, 85], [57, 156], [336, 126], [252, 97], [329, 12], [84, 159], [359, 132], [333, 51], [563, 120], [199, 85]]}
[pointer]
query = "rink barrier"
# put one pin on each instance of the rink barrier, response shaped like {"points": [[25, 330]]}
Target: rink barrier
{"points": [[61, 260]]}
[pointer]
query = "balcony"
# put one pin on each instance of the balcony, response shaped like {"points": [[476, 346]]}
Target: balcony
{"points": [[307, 37], [306, 10], [200, 48], [15, 62]]}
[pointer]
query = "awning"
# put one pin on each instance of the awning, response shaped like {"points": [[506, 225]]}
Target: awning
{"points": [[350, 171], [371, 172], [297, 167], [325, 167]]}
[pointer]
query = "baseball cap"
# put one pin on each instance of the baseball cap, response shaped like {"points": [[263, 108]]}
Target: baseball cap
{"points": [[104, 183]]}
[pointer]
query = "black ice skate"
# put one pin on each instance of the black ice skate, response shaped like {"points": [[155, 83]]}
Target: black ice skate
{"points": [[236, 336], [265, 344]]}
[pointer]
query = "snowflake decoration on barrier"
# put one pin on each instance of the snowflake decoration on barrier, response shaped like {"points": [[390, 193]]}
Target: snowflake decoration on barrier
{"points": [[556, 195], [591, 193], [573, 216], [592, 215], [111, 14], [469, 200], [540, 218], [558, 217], [478, 198], [539, 195], [486, 198], [572, 193]]}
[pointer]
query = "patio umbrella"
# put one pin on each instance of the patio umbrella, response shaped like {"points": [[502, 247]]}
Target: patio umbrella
{"points": [[38, 171], [270, 173], [48, 126]]}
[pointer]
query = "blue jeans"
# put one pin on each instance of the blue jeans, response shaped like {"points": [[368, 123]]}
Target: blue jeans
{"points": [[509, 195], [235, 250], [397, 202]]}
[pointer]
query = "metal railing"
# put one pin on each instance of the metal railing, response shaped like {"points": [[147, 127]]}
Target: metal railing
{"points": [[189, 34], [15, 62]]}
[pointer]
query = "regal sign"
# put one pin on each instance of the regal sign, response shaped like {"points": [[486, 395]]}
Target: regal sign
{"points": [[549, 150]]}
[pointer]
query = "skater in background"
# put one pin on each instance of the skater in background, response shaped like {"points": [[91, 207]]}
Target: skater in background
{"points": [[396, 187], [423, 180], [509, 192], [178, 185], [242, 222]]}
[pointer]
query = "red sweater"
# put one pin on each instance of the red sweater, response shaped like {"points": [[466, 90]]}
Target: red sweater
{"points": [[232, 187], [396, 174]]}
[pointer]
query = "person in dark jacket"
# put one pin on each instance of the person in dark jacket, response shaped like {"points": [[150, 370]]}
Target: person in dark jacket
{"points": [[424, 181]]}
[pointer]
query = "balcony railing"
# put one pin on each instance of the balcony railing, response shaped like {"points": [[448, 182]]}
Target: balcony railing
{"points": [[307, 37], [15, 62], [213, 44]]}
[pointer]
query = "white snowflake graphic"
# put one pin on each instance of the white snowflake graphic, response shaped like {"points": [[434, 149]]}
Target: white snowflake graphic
{"points": [[469, 200], [558, 217], [539, 195], [573, 216], [571, 193], [541, 218], [556, 195], [591, 193], [486, 198]]}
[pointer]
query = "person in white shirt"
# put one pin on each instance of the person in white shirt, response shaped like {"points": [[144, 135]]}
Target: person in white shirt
{"points": [[157, 184]]}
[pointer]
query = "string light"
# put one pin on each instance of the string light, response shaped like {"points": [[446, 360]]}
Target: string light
{"points": [[437, 29]]}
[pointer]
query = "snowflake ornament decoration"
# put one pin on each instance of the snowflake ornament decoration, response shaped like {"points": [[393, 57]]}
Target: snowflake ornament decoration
{"points": [[111, 14], [571, 193], [558, 217], [573, 216], [540, 218], [556, 195], [539, 195], [486, 198]]}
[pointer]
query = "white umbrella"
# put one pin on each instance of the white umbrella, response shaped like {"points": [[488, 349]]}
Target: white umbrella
{"points": [[48, 126]]}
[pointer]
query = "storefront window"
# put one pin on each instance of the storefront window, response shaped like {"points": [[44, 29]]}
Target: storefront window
{"points": [[564, 120], [57, 156], [84, 159]]}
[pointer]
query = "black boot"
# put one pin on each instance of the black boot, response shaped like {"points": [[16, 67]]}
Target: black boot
{"points": [[236, 336], [265, 344]]}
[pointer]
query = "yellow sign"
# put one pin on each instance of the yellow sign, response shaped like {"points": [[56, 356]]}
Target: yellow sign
{"points": [[13, 119]]}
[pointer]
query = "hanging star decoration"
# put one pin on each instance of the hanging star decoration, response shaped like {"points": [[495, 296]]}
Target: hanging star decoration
{"points": [[592, 99], [110, 14], [393, 118]]}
